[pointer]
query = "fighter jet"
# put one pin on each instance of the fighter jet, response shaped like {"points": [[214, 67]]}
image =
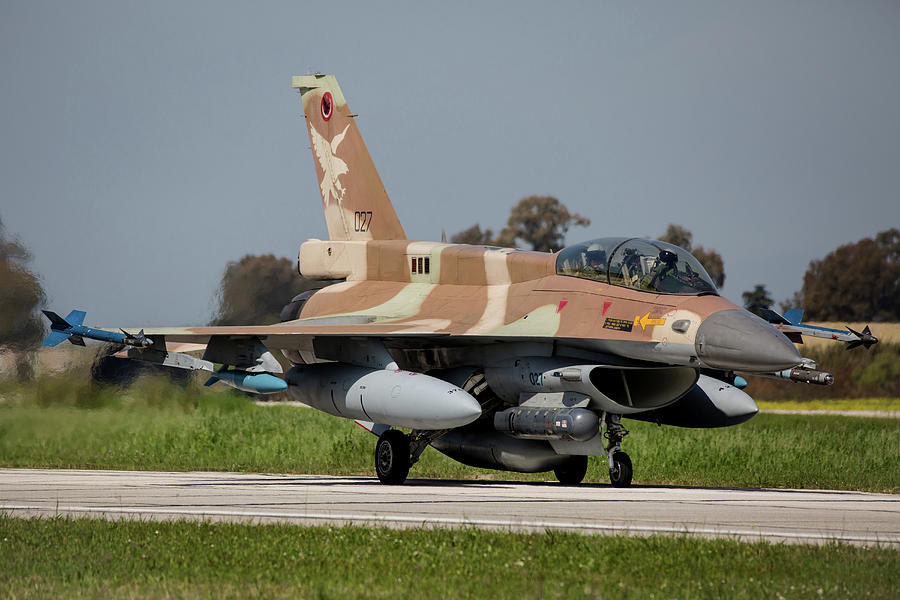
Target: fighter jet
{"points": [[497, 357]]}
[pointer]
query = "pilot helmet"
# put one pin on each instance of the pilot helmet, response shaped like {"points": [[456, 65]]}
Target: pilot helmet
{"points": [[668, 257], [596, 255]]}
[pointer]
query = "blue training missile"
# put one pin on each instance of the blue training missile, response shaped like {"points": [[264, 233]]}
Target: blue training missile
{"points": [[72, 329], [256, 383]]}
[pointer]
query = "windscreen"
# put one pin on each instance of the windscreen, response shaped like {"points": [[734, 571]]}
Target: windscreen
{"points": [[588, 260], [658, 267], [635, 263]]}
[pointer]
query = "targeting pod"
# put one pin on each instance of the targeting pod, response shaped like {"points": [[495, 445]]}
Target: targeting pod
{"points": [[576, 424]]}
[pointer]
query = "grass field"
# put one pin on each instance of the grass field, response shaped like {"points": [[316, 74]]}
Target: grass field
{"points": [[879, 404], [89, 559], [159, 426], [58, 422]]}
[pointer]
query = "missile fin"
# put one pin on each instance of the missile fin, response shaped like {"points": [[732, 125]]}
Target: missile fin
{"points": [[794, 315], [55, 337], [76, 317], [56, 320]]}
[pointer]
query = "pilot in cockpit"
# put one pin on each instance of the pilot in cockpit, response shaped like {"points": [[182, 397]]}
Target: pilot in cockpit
{"points": [[664, 274], [595, 262]]}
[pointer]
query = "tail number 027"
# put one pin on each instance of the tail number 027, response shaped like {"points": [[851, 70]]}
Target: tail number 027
{"points": [[362, 220]]}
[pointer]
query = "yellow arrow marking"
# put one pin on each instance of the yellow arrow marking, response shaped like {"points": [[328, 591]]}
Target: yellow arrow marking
{"points": [[646, 320]]}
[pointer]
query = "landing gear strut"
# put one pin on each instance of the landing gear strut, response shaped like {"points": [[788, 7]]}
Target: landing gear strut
{"points": [[620, 469]]}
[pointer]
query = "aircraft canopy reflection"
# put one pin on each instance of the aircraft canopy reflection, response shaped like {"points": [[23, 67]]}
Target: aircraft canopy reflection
{"points": [[647, 265]]}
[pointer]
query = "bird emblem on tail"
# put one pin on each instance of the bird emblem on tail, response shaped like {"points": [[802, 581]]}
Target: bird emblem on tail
{"points": [[332, 166]]}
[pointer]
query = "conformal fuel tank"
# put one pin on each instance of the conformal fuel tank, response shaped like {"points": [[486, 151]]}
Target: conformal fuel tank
{"points": [[393, 397]]}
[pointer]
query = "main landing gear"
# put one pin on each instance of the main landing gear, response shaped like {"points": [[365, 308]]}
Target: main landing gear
{"points": [[396, 452], [620, 470], [392, 457], [573, 472]]}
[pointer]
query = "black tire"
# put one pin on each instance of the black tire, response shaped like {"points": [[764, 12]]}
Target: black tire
{"points": [[392, 457], [573, 472], [621, 472]]}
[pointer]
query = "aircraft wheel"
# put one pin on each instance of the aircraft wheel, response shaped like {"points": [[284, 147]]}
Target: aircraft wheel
{"points": [[392, 457], [572, 473], [621, 471]]}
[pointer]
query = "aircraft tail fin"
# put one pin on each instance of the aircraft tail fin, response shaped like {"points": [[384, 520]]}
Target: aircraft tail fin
{"points": [[356, 204]]}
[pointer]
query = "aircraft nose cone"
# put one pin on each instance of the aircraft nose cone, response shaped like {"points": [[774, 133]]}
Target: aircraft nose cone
{"points": [[740, 341]]}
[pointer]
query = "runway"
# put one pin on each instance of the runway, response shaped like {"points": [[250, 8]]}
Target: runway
{"points": [[793, 516]]}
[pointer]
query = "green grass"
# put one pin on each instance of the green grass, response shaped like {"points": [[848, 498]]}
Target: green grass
{"points": [[79, 558], [159, 426], [882, 404]]}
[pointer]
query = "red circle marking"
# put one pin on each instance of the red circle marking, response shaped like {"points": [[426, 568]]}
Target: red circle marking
{"points": [[327, 105]]}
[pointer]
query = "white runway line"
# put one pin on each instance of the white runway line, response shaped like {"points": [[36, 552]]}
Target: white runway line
{"points": [[791, 516]]}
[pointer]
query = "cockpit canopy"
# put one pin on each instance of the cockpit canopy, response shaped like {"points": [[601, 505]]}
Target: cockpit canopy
{"points": [[646, 265]]}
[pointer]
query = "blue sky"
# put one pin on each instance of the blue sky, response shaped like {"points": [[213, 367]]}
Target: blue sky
{"points": [[143, 145]]}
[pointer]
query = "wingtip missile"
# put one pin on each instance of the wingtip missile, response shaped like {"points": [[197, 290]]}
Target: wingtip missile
{"points": [[792, 326], [72, 329]]}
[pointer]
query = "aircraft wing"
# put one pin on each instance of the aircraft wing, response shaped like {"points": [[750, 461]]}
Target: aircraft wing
{"points": [[281, 335], [248, 345], [289, 335]]}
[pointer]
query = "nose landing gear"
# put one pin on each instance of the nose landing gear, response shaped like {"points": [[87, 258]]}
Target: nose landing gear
{"points": [[620, 469]]}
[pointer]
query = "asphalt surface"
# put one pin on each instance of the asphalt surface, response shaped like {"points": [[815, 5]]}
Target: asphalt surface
{"points": [[793, 516]]}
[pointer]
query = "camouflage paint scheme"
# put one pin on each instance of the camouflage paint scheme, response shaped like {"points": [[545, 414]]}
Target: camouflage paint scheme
{"points": [[471, 294]]}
